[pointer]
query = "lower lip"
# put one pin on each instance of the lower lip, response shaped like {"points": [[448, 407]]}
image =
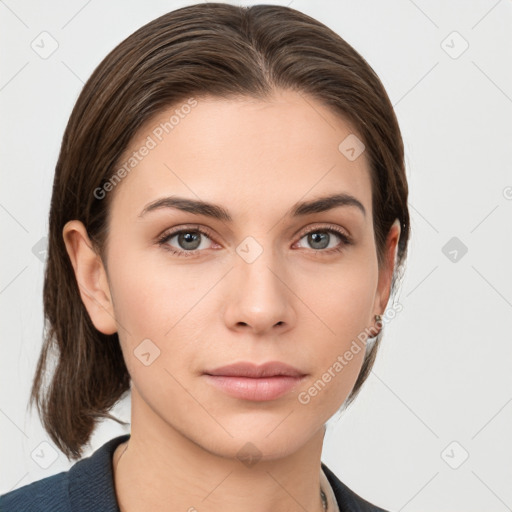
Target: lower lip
{"points": [[256, 389]]}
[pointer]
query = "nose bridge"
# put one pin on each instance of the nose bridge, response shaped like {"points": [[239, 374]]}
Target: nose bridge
{"points": [[258, 266], [260, 298]]}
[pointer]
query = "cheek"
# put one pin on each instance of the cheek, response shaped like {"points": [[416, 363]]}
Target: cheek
{"points": [[148, 294], [340, 306], [141, 305], [340, 298], [161, 302]]}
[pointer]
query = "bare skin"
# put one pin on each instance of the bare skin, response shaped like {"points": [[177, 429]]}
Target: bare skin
{"points": [[297, 302]]}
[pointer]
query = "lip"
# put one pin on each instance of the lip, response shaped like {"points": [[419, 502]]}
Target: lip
{"points": [[259, 383]]}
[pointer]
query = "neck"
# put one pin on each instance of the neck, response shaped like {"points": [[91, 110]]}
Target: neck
{"points": [[159, 469]]}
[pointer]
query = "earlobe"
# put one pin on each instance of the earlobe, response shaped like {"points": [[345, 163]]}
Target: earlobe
{"points": [[386, 272], [91, 277]]}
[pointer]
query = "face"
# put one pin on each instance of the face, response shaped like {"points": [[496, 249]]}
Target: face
{"points": [[254, 279]]}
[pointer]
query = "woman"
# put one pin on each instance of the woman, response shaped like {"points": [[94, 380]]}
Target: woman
{"points": [[228, 221]]}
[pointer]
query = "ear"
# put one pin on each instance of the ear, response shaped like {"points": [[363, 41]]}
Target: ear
{"points": [[91, 277], [387, 268]]}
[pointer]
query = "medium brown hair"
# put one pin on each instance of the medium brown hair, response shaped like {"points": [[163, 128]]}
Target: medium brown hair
{"points": [[208, 49]]}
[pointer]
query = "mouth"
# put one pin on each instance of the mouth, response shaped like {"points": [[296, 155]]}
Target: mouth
{"points": [[258, 383]]}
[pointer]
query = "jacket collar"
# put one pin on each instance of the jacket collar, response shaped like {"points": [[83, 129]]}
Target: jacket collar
{"points": [[91, 480]]}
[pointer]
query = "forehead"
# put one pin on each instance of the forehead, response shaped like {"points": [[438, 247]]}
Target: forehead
{"points": [[247, 154]]}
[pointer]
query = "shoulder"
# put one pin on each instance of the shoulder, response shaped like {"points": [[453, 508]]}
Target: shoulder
{"points": [[50, 493], [347, 499], [87, 486]]}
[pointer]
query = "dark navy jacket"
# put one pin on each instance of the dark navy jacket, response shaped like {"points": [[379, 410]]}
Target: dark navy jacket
{"points": [[88, 486]]}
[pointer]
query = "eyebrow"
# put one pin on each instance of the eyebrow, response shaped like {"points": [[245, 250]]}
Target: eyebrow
{"points": [[215, 211]]}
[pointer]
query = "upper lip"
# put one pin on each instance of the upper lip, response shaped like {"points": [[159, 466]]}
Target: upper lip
{"points": [[247, 369]]}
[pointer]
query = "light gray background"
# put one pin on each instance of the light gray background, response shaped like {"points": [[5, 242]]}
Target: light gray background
{"points": [[441, 389]]}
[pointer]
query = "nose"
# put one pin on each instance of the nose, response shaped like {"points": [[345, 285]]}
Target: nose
{"points": [[260, 298]]}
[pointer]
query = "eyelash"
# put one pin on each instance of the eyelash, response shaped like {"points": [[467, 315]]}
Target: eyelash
{"points": [[162, 241]]}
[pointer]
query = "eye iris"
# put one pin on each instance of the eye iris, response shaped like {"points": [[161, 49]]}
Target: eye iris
{"points": [[319, 237], [185, 239]]}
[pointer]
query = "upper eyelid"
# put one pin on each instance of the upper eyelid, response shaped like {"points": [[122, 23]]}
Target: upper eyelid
{"points": [[324, 227]]}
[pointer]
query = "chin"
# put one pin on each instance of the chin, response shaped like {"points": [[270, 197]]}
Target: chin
{"points": [[256, 438]]}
